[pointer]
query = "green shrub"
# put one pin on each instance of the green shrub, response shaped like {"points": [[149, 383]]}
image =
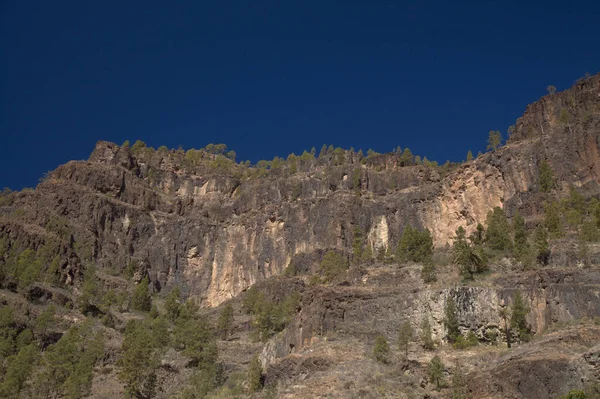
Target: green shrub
{"points": [[381, 350], [415, 245], [463, 343], [518, 322], [141, 299], [255, 379], [333, 265], [435, 372]]}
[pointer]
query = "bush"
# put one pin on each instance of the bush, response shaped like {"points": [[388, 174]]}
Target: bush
{"points": [[381, 350], [141, 300], [574, 394], [463, 343], [428, 272], [270, 317]]}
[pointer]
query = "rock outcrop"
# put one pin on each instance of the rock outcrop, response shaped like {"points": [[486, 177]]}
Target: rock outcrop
{"points": [[216, 231]]}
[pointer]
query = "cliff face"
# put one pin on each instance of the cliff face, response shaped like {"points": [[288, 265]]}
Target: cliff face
{"points": [[217, 232]]}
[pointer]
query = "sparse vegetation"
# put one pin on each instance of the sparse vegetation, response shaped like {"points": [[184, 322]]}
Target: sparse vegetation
{"points": [[415, 245], [255, 382], [494, 140], [381, 350], [426, 335], [333, 265], [405, 336], [451, 320], [435, 372], [518, 322]]}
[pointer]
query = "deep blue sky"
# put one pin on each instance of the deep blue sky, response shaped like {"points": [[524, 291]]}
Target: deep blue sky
{"points": [[271, 78]]}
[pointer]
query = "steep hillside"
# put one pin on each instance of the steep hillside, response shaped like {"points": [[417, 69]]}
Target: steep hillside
{"points": [[132, 216]]}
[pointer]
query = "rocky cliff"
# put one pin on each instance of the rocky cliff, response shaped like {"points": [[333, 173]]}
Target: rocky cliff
{"points": [[212, 227], [217, 231]]}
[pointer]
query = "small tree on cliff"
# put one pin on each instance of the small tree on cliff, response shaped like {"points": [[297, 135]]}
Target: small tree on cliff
{"points": [[521, 246], [172, 304], [545, 177], [518, 322], [333, 265], [141, 299], [255, 380], [415, 245], [470, 259], [497, 236], [426, 338], [226, 321], [494, 140], [451, 320], [542, 247], [405, 336]]}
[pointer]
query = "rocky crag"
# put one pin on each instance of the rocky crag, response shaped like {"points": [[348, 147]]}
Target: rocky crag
{"points": [[199, 221]]}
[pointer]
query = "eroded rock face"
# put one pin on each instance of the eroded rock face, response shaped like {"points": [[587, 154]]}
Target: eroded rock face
{"points": [[216, 233], [380, 304]]}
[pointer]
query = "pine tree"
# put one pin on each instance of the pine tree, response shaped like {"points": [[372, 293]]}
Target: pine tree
{"points": [[478, 236], [43, 323], [381, 349], [255, 382], [405, 336], [138, 362], [542, 247], [407, 158], [172, 305], [435, 372], [196, 341], [18, 371], [323, 151], [89, 292], [426, 335], [333, 265], [469, 156], [596, 213], [141, 299], [494, 140], [518, 322], [451, 320], [545, 177], [357, 244], [415, 245], [497, 236], [552, 219], [521, 247], [226, 321]]}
